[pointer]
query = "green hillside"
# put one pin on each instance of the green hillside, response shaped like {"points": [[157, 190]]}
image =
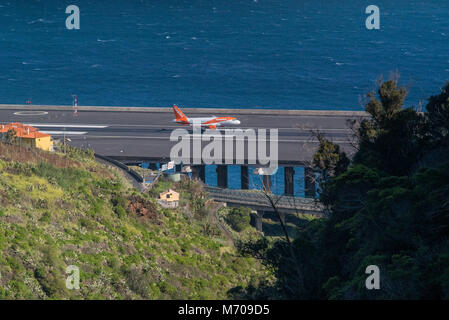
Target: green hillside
{"points": [[58, 210]]}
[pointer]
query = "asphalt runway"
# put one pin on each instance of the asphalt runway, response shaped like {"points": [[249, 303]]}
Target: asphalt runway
{"points": [[134, 135]]}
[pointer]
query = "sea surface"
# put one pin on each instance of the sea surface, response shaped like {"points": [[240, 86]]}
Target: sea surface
{"points": [[284, 54], [289, 54]]}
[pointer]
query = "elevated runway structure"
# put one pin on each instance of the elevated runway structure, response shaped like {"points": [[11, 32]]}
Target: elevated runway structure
{"points": [[142, 134], [258, 202]]}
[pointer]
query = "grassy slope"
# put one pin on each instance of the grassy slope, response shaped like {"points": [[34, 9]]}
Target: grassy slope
{"points": [[57, 211]]}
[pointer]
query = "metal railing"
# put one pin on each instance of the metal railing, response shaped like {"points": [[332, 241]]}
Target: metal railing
{"points": [[259, 199]]}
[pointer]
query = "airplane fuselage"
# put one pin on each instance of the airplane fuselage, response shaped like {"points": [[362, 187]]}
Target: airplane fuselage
{"points": [[211, 122]]}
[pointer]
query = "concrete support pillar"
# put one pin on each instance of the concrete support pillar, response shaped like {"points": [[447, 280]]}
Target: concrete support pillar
{"points": [[195, 172], [152, 166], [203, 173], [222, 176], [244, 173], [199, 172], [310, 187], [259, 216], [289, 172], [267, 182]]}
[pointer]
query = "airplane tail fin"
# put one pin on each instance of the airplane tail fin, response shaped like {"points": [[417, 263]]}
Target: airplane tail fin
{"points": [[179, 115]]}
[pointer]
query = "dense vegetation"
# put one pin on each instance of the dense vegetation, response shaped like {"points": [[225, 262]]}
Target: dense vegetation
{"points": [[58, 210], [388, 207], [239, 218]]}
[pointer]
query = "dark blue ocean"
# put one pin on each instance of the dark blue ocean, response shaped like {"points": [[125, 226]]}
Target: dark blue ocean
{"points": [[288, 54]]}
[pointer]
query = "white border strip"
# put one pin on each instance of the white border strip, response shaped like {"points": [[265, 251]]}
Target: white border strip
{"points": [[61, 133], [49, 125]]}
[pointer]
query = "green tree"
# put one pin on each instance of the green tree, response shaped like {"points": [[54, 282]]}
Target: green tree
{"points": [[329, 162], [437, 114], [392, 138], [239, 218], [388, 207], [11, 136]]}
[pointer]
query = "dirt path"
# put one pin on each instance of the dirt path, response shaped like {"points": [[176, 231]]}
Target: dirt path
{"points": [[226, 232]]}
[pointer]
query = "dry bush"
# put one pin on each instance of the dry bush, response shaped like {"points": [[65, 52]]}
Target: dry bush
{"points": [[143, 208], [20, 153]]}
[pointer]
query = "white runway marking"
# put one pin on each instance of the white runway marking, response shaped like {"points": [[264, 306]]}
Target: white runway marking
{"points": [[92, 137], [49, 125], [30, 113], [60, 133], [228, 128], [170, 127]]}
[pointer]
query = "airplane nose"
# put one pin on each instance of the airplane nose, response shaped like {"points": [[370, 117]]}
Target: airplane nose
{"points": [[237, 122]]}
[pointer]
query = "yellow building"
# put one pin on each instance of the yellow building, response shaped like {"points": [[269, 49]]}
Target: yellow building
{"points": [[169, 196], [28, 135]]}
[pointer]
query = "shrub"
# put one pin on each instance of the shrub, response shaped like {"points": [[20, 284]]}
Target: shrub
{"points": [[67, 178], [52, 282], [120, 211], [45, 217], [239, 218], [138, 282], [119, 204]]}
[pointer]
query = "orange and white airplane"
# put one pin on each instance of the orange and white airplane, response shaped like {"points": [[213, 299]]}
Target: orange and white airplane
{"points": [[211, 122]]}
